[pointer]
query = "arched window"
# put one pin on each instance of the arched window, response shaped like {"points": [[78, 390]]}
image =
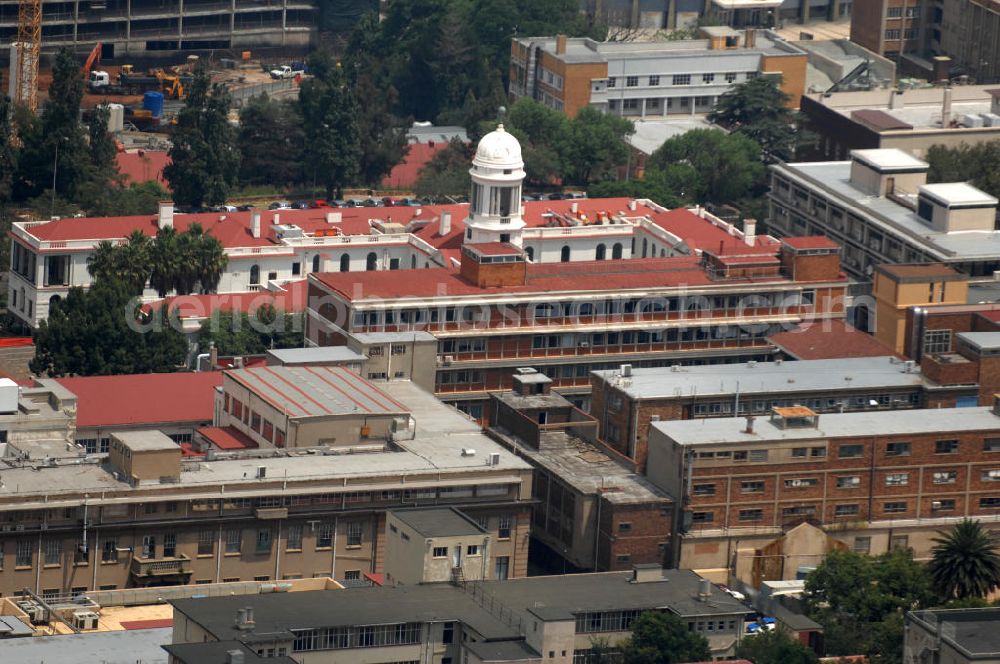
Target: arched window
{"points": [[54, 300], [644, 247], [663, 253], [255, 275], [616, 251], [565, 254], [602, 252], [316, 264], [530, 253], [372, 262], [345, 263], [413, 262]]}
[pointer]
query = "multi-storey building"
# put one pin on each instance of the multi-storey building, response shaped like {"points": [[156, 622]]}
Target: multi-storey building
{"points": [[146, 514], [501, 310], [127, 27], [651, 79], [655, 14], [871, 480], [879, 207], [525, 621], [594, 512], [962, 636], [888, 27], [628, 403]]}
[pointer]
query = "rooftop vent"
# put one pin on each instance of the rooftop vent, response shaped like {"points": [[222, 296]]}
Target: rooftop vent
{"points": [[626, 370], [704, 590], [468, 452]]}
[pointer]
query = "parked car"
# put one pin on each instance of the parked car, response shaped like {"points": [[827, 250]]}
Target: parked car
{"points": [[300, 205], [279, 205], [319, 203]]}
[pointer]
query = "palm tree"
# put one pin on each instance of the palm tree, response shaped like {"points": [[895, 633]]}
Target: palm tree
{"points": [[965, 562], [164, 261], [103, 263], [134, 265]]}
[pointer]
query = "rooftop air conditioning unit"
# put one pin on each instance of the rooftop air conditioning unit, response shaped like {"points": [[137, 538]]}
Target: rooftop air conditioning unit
{"points": [[494, 459], [626, 370], [85, 620], [261, 472], [448, 359]]}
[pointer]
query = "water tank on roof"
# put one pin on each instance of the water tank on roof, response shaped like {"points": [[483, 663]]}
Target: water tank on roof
{"points": [[8, 396], [153, 102]]}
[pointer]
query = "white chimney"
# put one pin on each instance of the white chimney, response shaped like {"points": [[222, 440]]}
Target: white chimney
{"points": [[255, 223], [334, 217], [896, 99], [750, 231], [574, 207], [166, 218], [445, 223], [277, 219], [632, 205], [946, 108]]}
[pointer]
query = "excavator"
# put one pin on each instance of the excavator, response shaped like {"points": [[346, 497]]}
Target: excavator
{"points": [[130, 83]]}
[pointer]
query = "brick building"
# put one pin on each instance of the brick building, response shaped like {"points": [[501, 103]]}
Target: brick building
{"points": [[871, 480], [627, 403], [594, 511]]}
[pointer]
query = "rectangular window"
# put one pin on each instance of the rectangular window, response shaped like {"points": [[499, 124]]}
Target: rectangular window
{"points": [[264, 540], [892, 34], [503, 528], [234, 540], [731, 77], [894, 12], [945, 447], [851, 451], [755, 486], [53, 552], [848, 482], [937, 341], [24, 554], [758, 455], [631, 81], [945, 477], [654, 80], [895, 508], [751, 515], [943, 505], [440, 552], [255, 421], [109, 551], [707, 78], [897, 449], [846, 510], [354, 534], [324, 536], [801, 482], [899, 542], [703, 489], [989, 503], [990, 476], [472, 550], [800, 452], [612, 81], [862, 545], [294, 542], [206, 543], [991, 445], [702, 517], [682, 79], [897, 479]]}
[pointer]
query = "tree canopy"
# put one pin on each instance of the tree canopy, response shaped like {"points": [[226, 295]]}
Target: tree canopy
{"points": [[965, 562], [447, 173], [204, 160], [270, 140], [726, 167], [978, 164], [775, 647], [758, 109], [659, 637], [101, 331], [240, 333]]}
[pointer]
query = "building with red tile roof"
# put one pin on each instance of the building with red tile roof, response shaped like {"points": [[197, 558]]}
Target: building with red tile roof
{"points": [[828, 340], [138, 166]]}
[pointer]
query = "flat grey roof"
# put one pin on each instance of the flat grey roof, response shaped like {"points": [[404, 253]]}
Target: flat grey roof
{"points": [[431, 447], [316, 391], [281, 612], [119, 647], [958, 194], [889, 159], [732, 430], [973, 630], [438, 522], [315, 355], [368, 338], [981, 340], [502, 651], [833, 178], [150, 440], [217, 652], [749, 378]]}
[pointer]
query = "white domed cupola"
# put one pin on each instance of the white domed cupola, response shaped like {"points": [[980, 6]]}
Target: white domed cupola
{"points": [[495, 200]]}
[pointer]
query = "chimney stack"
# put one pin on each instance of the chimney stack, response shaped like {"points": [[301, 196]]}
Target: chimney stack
{"points": [[946, 108], [704, 590], [749, 429], [560, 44], [632, 205], [896, 99], [574, 207], [255, 223], [213, 356], [334, 217], [750, 232], [166, 216], [445, 223]]}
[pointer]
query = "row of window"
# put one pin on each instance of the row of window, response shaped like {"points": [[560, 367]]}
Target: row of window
{"points": [[843, 510], [847, 451], [351, 498], [897, 12], [677, 79], [856, 402], [368, 636], [251, 418], [894, 33]]}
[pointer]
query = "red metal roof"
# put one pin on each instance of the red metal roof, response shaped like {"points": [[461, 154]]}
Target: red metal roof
{"points": [[829, 340], [143, 166], [810, 242], [15, 342], [104, 401], [228, 438], [292, 300], [405, 174], [702, 234]]}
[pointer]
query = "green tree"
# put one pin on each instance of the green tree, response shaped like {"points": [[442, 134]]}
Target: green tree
{"points": [[135, 199], [270, 141], [659, 637], [182, 262], [447, 173], [102, 143], [101, 331], [381, 132], [759, 110], [128, 263], [329, 112], [775, 647], [677, 185], [8, 153], [239, 333], [965, 562], [978, 164], [593, 146], [728, 166], [204, 158]]}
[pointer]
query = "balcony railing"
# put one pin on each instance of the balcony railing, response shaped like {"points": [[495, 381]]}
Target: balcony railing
{"points": [[161, 566]]}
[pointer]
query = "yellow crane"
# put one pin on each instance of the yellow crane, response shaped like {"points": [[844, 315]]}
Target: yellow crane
{"points": [[29, 47]]}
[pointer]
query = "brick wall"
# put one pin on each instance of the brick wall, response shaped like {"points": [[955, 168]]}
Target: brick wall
{"points": [[633, 534]]}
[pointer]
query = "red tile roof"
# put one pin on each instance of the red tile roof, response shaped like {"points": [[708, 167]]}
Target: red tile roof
{"points": [[142, 399], [228, 438], [701, 234], [15, 342], [291, 300], [829, 340], [143, 166], [495, 249], [405, 174]]}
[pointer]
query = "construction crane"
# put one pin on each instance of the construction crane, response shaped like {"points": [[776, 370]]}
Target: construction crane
{"points": [[28, 48]]}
